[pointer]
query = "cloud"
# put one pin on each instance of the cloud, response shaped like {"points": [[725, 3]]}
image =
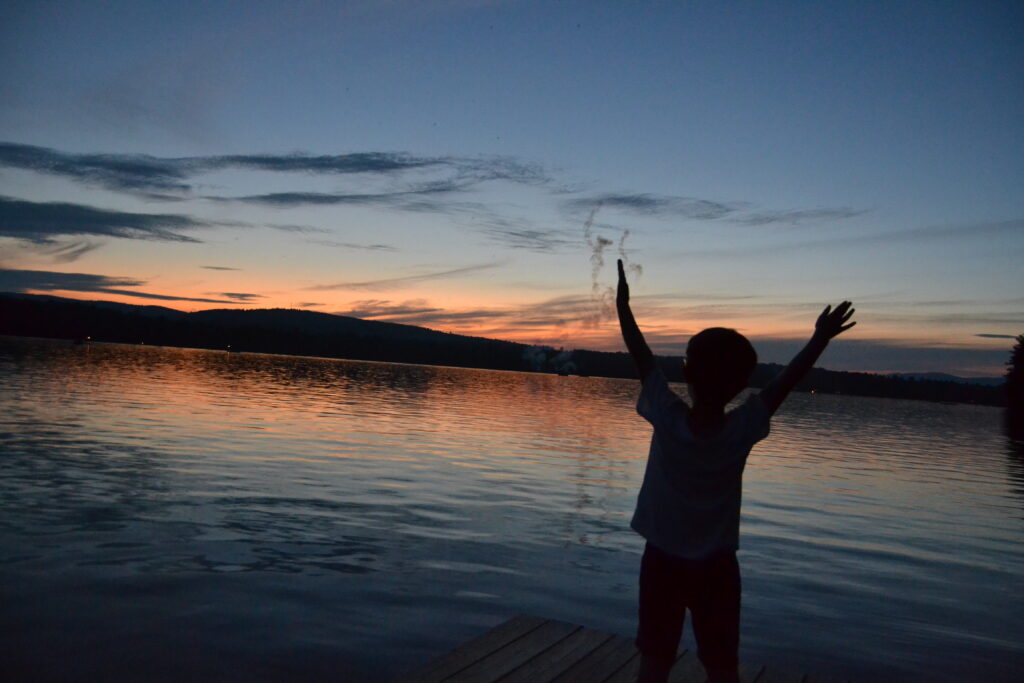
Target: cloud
{"points": [[652, 204], [520, 234], [354, 245], [288, 199], [309, 304], [996, 336], [50, 281], [413, 198], [57, 250], [542, 316], [163, 297], [71, 250], [145, 174], [797, 216], [380, 308], [219, 268], [920, 234], [125, 172], [40, 222], [704, 209], [356, 162], [238, 296], [387, 283], [19, 280]]}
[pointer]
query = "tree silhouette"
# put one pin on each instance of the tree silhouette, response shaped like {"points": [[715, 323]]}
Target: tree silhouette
{"points": [[1015, 388]]}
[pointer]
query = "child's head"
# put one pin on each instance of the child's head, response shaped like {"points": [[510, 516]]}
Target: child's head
{"points": [[719, 362]]}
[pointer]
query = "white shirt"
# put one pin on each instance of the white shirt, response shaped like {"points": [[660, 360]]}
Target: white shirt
{"points": [[689, 503]]}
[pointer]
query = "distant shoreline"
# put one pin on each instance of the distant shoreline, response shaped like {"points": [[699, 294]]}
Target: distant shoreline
{"points": [[323, 335]]}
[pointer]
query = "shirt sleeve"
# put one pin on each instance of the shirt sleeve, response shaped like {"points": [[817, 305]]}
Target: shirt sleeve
{"points": [[657, 402], [757, 420]]}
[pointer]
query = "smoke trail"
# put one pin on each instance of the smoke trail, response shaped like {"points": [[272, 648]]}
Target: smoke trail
{"points": [[635, 268], [602, 297]]}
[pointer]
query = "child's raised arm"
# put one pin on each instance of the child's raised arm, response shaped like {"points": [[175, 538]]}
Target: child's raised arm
{"points": [[631, 334], [830, 324]]}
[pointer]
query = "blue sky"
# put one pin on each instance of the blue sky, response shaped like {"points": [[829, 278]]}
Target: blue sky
{"points": [[437, 163]]}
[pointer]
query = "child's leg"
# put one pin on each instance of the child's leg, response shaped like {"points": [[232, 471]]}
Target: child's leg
{"points": [[716, 618], [662, 613]]}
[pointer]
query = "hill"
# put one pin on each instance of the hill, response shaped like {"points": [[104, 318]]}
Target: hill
{"points": [[308, 333], [945, 377]]}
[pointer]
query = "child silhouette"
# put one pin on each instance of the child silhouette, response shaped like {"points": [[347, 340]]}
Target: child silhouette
{"points": [[688, 508]]}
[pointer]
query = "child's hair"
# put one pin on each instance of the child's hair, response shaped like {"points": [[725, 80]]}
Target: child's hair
{"points": [[719, 363]]}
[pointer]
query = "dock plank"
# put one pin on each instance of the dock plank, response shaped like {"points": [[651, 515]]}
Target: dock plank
{"points": [[503, 661], [609, 657], [528, 649], [627, 672], [474, 650], [559, 658]]}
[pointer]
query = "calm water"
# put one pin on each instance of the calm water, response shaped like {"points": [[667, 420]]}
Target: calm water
{"points": [[173, 514]]}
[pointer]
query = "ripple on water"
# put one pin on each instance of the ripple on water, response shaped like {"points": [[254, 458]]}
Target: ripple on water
{"points": [[280, 512]]}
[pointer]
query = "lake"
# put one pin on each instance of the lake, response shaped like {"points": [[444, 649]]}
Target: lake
{"points": [[176, 514]]}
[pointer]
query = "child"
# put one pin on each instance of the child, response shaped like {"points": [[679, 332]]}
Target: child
{"points": [[689, 504]]}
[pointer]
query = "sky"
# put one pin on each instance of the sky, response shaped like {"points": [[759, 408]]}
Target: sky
{"points": [[477, 167]]}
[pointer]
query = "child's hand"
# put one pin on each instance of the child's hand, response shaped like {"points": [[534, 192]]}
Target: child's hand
{"points": [[622, 296], [832, 323]]}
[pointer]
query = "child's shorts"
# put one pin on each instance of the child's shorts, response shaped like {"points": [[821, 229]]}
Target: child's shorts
{"points": [[709, 588]]}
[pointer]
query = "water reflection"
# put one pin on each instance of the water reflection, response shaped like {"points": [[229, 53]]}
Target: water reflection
{"points": [[434, 502], [1015, 456]]}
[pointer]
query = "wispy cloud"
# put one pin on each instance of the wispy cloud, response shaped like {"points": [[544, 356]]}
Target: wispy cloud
{"points": [[397, 199], [797, 216], [41, 222], [996, 336], [557, 312], [50, 281], [219, 268], [145, 174], [382, 308], [519, 234], [694, 208], [71, 250], [354, 245], [924, 233], [389, 283], [653, 204], [238, 296], [124, 172]]}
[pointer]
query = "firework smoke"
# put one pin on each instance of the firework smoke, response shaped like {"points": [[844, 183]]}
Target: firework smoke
{"points": [[602, 297], [635, 268]]}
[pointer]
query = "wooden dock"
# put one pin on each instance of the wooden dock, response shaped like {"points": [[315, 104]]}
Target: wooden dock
{"points": [[531, 650]]}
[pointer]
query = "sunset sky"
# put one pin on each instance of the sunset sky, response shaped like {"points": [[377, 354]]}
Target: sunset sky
{"points": [[477, 167]]}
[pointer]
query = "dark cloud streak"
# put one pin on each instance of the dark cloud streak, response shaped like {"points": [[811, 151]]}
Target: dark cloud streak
{"points": [[354, 245], [796, 216], [145, 174], [651, 204], [50, 281], [238, 296], [41, 222], [387, 283]]}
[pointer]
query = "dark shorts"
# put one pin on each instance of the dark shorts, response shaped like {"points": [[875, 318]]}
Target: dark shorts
{"points": [[709, 588]]}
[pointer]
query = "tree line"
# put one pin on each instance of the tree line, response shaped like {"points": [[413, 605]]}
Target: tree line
{"points": [[307, 333]]}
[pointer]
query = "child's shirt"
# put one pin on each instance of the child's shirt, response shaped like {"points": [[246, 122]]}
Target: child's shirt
{"points": [[689, 503]]}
